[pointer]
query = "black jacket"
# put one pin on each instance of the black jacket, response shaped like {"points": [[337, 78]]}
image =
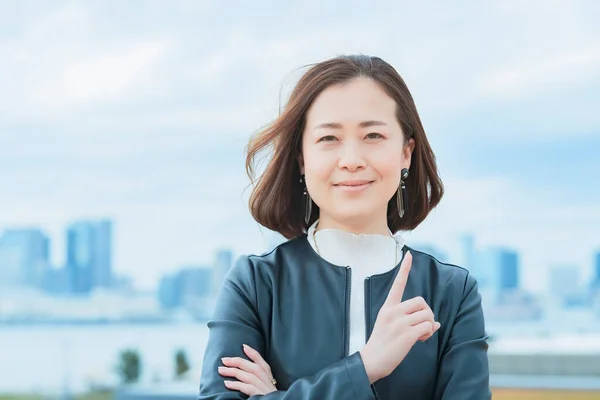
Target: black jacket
{"points": [[292, 306]]}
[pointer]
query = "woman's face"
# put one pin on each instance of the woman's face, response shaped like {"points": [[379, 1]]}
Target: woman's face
{"points": [[352, 153]]}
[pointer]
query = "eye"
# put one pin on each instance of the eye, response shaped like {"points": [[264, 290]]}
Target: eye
{"points": [[328, 138], [374, 135]]}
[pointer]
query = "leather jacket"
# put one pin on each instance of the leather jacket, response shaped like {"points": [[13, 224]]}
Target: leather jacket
{"points": [[292, 306]]}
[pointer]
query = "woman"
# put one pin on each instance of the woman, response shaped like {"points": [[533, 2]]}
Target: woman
{"points": [[344, 309]]}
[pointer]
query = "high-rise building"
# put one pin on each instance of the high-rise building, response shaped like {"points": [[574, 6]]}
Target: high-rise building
{"points": [[596, 277], [103, 274], [467, 244], [185, 288], [24, 257], [222, 264], [497, 272], [89, 255]]}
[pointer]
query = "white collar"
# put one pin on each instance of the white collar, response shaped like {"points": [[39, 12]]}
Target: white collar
{"points": [[368, 253]]}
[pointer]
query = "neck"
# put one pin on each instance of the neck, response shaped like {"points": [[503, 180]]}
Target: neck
{"points": [[366, 226]]}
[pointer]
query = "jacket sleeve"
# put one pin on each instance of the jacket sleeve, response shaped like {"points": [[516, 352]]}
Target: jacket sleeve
{"points": [[236, 322], [464, 370]]}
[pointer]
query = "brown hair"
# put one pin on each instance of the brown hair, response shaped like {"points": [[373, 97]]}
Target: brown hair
{"points": [[276, 201]]}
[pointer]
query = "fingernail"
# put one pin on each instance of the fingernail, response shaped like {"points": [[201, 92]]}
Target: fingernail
{"points": [[227, 383], [221, 368], [245, 346]]}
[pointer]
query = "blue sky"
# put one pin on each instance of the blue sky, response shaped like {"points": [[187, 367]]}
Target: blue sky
{"points": [[141, 111]]}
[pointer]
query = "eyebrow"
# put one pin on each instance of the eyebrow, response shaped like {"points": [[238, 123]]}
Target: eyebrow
{"points": [[363, 124]]}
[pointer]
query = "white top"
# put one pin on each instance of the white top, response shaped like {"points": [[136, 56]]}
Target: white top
{"points": [[366, 255]]}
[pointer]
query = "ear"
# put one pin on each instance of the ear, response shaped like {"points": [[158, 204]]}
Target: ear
{"points": [[407, 153], [301, 164]]}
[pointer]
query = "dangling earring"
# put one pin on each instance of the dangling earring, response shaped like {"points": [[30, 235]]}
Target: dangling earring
{"points": [[402, 195], [307, 202]]}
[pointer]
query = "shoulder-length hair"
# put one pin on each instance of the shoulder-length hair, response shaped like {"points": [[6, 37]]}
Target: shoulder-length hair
{"points": [[276, 200]]}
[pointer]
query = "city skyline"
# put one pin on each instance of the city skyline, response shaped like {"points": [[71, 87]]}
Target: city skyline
{"points": [[145, 122], [469, 254]]}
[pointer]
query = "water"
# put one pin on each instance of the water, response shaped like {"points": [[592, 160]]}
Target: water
{"points": [[47, 359]]}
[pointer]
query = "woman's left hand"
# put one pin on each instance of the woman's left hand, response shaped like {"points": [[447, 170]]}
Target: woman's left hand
{"points": [[253, 377]]}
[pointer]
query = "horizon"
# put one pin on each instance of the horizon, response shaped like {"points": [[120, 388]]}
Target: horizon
{"points": [[143, 121]]}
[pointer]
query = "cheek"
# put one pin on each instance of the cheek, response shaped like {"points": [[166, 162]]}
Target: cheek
{"points": [[388, 169], [317, 167], [388, 166]]}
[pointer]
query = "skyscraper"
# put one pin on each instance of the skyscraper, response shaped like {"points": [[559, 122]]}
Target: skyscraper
{"points": [[103, 275], [24, 257], [89, 255], [467, 244], [497, 272], [222, 264], [596, 277]]}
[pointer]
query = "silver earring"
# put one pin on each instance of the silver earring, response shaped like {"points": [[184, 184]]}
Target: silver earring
{"points": [[307, 202], [402, 195]]}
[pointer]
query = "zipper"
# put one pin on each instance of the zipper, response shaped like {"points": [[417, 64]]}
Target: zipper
{"points": [[367, 308], [349, 291], [368, 323]]}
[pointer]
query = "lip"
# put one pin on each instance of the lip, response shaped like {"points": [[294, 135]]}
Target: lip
{"points": [[354, 185]]}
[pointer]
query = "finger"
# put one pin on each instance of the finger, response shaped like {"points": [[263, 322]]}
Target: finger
{"points": [[243, 364], [397, 289], [240, 375], [242, 387], [257, 358], [420, 316], [426, 337], [244, 377], [421, 329], [413, 305]]}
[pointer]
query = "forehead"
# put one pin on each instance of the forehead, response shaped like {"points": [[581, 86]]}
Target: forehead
{"points": [[358, 99]]}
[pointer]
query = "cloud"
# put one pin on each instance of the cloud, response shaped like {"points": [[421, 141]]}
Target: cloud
{"points": [[528, 78], [103, 77], [57, 65], [144, 116]]}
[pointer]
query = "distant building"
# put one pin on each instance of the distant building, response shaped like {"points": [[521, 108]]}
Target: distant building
{"points": [[222, 264], [89, 255], [565, 284], [467, 244], [169, 292], [190, 288], [24, 257], [596, 268], [56, 281], [497, 272]]}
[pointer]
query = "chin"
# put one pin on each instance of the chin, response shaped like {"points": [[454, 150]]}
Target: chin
{"points": [[352, 215]]}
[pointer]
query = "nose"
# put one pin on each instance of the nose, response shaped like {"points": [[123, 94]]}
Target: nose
{"points": [[351, 157]]}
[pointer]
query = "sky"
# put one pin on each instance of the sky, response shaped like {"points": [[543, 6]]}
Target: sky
{"points": [[140, 111]]}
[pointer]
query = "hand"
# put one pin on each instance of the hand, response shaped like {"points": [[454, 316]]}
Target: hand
{"points": [[398, 327], [253, 377]]}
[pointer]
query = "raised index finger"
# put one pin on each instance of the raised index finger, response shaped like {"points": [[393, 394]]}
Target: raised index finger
{"points": [[397, 289]]}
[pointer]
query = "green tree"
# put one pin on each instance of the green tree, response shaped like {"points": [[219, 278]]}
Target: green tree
{"points": [[130, 366], [181, 364]]}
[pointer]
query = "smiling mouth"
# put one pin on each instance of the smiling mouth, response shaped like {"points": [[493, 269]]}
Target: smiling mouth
{"points": [[353, 185]]}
